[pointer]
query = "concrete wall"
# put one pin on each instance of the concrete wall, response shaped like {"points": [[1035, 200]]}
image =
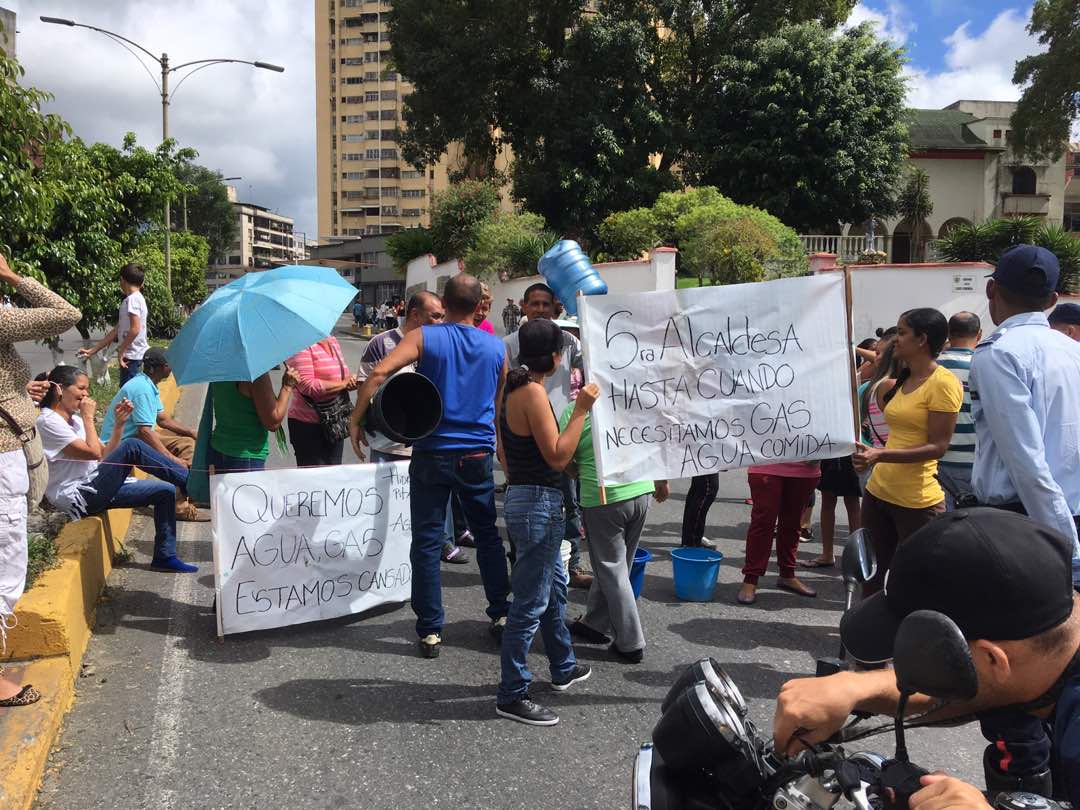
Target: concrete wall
{"points": [[656, 273], [880, 293]]}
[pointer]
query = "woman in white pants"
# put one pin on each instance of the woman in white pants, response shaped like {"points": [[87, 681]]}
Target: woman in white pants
{"points": [[47, 315]]}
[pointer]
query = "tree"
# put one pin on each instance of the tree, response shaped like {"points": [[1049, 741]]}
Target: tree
{"points": [[208, 210], [805, 124], [509, 246], [599, 102], [986, 241], [456, 214], [1051, 99], [190, 253], [732, 251], [627, 235], [914, 204], [405, 245]]}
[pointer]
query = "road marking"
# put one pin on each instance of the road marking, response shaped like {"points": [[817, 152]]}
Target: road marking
{"points": [[175, 664]]}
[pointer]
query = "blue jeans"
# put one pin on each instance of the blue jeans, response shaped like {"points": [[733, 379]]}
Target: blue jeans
{"points": [[433, 477], [109, 490], [534, 519], [134, 368], [226, 464]]}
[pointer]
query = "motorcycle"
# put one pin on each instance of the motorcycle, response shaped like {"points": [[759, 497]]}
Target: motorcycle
{"points": [[706, 753]]}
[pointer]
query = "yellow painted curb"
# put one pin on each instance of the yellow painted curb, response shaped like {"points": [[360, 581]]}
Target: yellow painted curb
{"points": [[28, 732]]}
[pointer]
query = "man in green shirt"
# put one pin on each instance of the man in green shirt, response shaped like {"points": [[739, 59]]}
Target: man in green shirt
{"points": [[613, 525]]}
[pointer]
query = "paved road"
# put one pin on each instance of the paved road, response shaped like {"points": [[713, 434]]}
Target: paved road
{"points": [[344, 714]]}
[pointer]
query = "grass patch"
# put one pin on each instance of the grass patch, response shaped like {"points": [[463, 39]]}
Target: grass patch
{"points": [[682, 282], [40, 557]]}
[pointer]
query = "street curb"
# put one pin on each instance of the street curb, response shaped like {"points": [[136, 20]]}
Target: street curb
{"points": [[55, 622]]}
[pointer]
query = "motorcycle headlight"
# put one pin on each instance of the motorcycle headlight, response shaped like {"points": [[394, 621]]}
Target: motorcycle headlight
{"points": [[700, 730], [720, 683]]}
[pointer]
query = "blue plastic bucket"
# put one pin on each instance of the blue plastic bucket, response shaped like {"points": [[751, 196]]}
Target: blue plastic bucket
{"points": [[637, 570], [695, 571]]}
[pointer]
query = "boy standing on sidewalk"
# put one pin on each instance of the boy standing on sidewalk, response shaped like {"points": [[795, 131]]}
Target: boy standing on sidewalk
{"points": [[130, 325]]}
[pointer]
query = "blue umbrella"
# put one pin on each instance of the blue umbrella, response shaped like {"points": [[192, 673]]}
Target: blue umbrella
{"points": [[253, 323]]}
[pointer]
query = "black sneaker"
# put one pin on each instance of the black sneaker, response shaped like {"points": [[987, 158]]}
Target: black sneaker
{"points": [[496, 629], [430, 645], [631, 657], [579, 630], [525, 711], [580, 672]]}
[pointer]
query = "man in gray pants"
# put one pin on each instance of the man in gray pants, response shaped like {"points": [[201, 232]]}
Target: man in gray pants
{"points": [[613, 529]]}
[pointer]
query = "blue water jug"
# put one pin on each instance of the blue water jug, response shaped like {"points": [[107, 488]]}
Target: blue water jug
{"points": [[567, 269]]}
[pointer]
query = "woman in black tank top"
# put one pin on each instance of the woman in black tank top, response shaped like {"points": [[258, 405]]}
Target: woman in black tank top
{"points": [[534, 454]]}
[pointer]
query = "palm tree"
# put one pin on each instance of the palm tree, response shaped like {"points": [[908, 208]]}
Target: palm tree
{"points": [[914, 205]]}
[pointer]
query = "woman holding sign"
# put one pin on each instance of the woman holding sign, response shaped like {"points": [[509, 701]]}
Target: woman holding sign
{"points": [[920, 408], [534, 454]]}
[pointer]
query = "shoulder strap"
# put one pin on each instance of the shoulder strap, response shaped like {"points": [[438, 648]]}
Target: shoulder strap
{"points": [[23, 435]]}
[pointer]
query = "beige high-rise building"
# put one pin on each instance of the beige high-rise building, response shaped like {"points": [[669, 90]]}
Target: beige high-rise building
{"points": [[364, 186]]}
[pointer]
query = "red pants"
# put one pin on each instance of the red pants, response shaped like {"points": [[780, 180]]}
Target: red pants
{"points": [[777, 500]]}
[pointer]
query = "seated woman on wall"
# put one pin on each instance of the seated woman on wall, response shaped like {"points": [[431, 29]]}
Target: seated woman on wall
{"points": [[87, 477]]}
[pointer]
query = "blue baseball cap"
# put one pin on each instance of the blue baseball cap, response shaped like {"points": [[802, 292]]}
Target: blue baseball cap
{"points": [[1028, 270]]}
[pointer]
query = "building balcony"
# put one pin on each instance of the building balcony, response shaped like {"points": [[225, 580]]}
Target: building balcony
{"points": [[846, 248], [1025, 205]]}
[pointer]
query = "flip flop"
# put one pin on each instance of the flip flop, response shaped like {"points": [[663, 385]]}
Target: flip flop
{"points": [[809, 592], [815, 563]]}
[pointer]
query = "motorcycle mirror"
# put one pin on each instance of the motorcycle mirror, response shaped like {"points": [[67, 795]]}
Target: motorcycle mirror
{"points": [[858, 563], [931, 656]]}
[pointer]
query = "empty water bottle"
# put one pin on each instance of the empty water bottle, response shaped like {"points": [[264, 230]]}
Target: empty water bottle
{"points": [[567, 270]]}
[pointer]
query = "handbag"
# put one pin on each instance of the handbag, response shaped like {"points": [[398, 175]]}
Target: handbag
{"points": [[334, 413], [36, 468]]}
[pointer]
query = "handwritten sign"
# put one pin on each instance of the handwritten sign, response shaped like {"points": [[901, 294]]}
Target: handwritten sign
{"points": [[294, 546], [699, 380]]}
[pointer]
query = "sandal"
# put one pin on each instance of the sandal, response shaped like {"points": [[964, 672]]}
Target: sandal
{"points": [[27, 695], [817, 562]]}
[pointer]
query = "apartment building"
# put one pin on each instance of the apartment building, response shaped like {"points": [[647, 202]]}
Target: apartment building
{"points": [[364, 187], [7, 31], [263, 240]]}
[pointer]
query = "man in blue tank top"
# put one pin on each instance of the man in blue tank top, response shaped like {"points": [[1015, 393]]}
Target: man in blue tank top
{"points": [[468, 366]]}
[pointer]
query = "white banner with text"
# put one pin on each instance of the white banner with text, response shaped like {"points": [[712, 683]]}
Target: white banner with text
{"points": [[294, 546], [699, 380]]}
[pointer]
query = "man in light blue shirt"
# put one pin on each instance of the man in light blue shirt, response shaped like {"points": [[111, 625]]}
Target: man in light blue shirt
{"points": [[1025, 399]]}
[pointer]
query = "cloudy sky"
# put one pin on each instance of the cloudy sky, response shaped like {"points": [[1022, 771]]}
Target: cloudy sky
{"points": [[261, 125]]}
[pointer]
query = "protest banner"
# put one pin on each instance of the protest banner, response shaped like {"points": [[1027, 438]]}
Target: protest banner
{"points": [[703, 379], [294, 546]]}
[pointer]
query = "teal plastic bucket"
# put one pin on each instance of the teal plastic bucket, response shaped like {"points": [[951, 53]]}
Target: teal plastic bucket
{"points": [[695, 571], [637, 570]]}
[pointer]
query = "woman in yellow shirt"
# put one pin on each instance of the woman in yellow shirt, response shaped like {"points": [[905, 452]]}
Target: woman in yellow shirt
{"points": [[902, 494]]}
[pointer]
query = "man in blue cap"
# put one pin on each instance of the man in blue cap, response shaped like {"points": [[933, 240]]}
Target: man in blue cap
{"points": [[1025, 399]]}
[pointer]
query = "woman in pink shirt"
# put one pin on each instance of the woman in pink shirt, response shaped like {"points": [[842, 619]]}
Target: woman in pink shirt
{"points": [[480, 320], [324, 375], [779, 493]]}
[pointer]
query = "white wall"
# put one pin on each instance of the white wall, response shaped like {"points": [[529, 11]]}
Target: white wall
{"points": [[880, 293], [655, 273]]}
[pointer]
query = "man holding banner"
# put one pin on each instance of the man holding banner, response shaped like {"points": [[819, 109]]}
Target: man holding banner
{"points": [[468, 366]]}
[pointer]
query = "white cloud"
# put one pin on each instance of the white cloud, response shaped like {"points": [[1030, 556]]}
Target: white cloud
{"points": [[894, 23], [243, 121], [977, 65]]}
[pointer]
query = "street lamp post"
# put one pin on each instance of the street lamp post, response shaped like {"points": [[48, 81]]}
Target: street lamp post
{"points": [[166, 95]]}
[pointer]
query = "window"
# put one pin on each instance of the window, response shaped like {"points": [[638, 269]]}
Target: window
{"points": [[351, 3], [413, 192], [354, 232], [234, 260], [349, 156], [1023, 181], [390, 191], [388, 95], [352, 60], [353, 195], [389, 211], [997, 134], [352, 99], [389, 76], [352, 80], [371, 95], [371, 154], [351, 119], [371, 76], [371, 193], [411, 174], [388, 115], [389, 154], [371, 56], [352, 175], [369, 38], [351, 41], [389, 134], [410, 212], [371, 135], [352, 138]]}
